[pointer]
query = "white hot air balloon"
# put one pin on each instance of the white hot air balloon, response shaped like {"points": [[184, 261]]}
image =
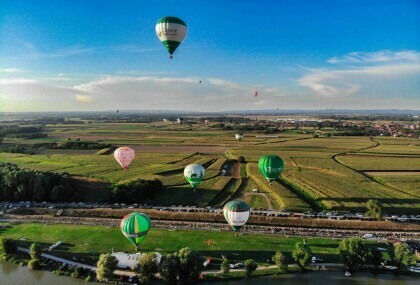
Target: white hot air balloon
{"points": [[194, 173], [239, 136]]}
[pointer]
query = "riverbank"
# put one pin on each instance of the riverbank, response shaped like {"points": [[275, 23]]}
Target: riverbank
{"points": [[12, 274]]}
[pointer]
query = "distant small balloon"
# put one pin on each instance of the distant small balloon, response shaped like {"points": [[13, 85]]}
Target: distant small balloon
{"points": [[255, 93]]}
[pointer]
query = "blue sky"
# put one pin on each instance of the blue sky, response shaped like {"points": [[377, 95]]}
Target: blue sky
{"points": [[100, 55]]}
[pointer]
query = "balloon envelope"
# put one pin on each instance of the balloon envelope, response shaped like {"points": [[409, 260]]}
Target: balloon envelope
{"points": [[124, 155], [236, 214], [194, 173], [135, 227], [239, 136], [171, 31], [271, 166]]}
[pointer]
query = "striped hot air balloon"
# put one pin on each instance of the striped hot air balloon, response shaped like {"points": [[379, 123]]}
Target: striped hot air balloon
{"points": [[236, 214], [194, 173], [124, 155], [135, 227], [171, 31], [271, 166]]}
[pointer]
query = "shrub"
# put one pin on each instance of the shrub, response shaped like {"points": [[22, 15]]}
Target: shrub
{"points": [[34, 264]]}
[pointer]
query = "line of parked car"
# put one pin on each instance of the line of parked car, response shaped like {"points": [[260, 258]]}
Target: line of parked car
{"points": [[414, 218]]}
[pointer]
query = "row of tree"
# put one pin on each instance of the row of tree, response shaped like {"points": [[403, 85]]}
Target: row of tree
{"points": [[183, 266], [18, 184], [354, 254]]}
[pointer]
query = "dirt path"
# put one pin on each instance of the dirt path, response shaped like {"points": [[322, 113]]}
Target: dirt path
{"points": [[236, 170], [269, 205]]}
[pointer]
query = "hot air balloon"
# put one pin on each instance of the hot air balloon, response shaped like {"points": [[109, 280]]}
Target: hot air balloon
{"points": [[255, 93], [171, 32], [199, 81], [206, 122], [135, 227], [124, 155], [239, 136], [236, 214], [194, 173], [270, 166]]}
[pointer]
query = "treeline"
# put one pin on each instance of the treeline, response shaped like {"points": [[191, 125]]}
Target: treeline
{"points": [[80, 145], [12, 148], [22, 132], [18, 184], [135, 191], [22, 184]]}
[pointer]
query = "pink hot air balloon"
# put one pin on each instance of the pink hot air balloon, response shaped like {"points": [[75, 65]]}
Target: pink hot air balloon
{"points": [[124, 155]]}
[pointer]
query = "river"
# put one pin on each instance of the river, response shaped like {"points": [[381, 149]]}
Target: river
{"points": [[12, 274]]}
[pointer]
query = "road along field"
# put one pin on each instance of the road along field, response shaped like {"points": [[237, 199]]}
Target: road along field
{"points": [[331, 173]]}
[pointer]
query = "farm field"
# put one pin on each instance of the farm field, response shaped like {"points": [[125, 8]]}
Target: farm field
{"points": [[370, 162], [90, 241], [312, 179]]}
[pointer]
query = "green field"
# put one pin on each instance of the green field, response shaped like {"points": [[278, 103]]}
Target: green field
{"points": [[94, 240], [312, 178]]}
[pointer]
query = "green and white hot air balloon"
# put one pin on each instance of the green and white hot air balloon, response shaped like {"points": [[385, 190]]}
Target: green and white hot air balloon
{"points": [[236, 214], [194, 173], [271, 166], [135, 227], [171, 31]]}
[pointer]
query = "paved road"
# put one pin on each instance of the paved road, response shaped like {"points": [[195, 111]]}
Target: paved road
{"points": [[62, 260]]}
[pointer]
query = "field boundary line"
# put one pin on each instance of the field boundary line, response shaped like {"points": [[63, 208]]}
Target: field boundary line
{"points": [[334, 157]]}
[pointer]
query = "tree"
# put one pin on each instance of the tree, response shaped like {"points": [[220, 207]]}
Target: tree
{"points": [[34, 264], [147, 267], [402, 256], [106, 267], [375, 257], [302, 254], [374, 209], [169, 269], [225, 267], [280, 260], [353, 253], [250, 267], [190, 264], [7, 246], [35, 251]]}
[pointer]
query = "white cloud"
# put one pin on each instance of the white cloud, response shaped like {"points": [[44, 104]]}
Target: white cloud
{"points": [[10, 70], [377, 57], [349, 81], [83, 98], [374, 72]]}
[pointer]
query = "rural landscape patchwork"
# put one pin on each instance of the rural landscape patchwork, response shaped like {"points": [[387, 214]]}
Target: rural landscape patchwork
{"points": [[210, 142]]}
